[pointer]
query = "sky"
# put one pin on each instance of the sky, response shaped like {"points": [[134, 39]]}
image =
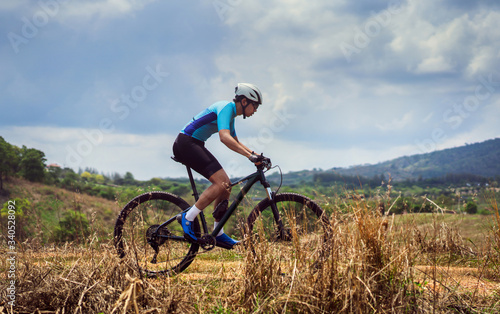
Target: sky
{"points": [[108, 84]]}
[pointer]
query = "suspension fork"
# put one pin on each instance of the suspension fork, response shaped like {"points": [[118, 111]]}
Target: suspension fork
{"points": [[276, 214], [281, 232]]}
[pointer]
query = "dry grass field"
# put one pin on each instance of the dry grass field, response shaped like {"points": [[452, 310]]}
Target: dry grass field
{"points": [[374, 264], [415, 263]]}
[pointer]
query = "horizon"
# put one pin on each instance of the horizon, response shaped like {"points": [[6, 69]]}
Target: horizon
{"points": [[110, 173]]}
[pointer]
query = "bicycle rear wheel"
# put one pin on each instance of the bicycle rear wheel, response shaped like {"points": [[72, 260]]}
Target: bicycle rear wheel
{"points": [[154, 251], [300, 235]]}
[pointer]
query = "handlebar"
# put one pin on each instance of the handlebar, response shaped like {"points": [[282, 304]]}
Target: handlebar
{"points": [[263, 162]]}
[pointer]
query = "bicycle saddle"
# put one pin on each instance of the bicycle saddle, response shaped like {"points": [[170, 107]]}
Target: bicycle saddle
{"points": [[176, 160]]}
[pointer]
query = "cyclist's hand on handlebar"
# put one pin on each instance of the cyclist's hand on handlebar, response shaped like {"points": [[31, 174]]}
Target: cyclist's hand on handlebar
{"points": [[256, 159], [260, 160], [267, 162]]}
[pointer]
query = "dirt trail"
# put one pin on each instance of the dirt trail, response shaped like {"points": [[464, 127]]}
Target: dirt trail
{"points": [[446, 279]]}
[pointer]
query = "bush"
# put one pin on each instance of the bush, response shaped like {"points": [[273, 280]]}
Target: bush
{"points": [[73, 226], [107, 193], [471, 208], [21, 207]]}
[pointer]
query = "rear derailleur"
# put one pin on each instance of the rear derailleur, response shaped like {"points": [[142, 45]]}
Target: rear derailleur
{"points": [[155, 238]]}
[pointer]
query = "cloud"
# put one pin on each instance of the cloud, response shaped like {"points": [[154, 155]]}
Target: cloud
{"points": [[397, 124], [449, 41], [434, 65], [410, 63], [102, 9]]}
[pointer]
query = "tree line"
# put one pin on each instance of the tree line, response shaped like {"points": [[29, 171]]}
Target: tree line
{"points": [[30, 164]]}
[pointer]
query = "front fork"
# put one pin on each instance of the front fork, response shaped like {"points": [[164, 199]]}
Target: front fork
{"points": [[281, 232]]}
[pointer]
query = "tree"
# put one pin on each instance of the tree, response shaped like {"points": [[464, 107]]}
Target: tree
{"points": [[471, 208], [32, 164], [9, 160], [155, 181], [70, 179], [117, 178], [98, 178], [129, 179], [86, 176]]}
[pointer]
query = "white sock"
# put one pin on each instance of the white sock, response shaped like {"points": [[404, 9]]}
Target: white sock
{"points": [[221, 232], [192, 213]]}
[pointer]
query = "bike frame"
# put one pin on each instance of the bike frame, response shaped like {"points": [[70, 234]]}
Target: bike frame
{"points": [[251, 180], [255, 177]]}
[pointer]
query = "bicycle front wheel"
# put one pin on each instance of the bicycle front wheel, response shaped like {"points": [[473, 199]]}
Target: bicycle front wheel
{"points": [[153, 250], [297, 229]]}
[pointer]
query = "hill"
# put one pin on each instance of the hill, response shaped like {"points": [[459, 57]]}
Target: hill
{"points": [[54, 213], [481, 159]]}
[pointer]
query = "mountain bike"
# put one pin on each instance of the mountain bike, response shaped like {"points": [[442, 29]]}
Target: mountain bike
{"points": [[147, 228]]}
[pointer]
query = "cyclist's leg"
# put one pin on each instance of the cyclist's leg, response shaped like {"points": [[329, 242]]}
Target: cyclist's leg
{"points": [[195, 155], [218, 191]]}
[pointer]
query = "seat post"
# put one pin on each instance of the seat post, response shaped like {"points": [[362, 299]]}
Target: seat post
{"points": [[193, 185]]}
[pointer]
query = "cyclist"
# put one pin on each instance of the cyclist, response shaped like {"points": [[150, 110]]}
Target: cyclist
{"points": [[189, 148]]}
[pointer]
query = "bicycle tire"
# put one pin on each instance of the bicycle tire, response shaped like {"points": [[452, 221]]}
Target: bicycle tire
{"points": [[134, 224], [305, 229]]}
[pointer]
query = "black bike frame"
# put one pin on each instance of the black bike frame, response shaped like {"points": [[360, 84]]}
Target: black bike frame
{"points": [[251, 180]]}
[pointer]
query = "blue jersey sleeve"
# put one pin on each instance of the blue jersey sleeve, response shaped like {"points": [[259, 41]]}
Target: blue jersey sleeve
{"points": [[225, 119]]}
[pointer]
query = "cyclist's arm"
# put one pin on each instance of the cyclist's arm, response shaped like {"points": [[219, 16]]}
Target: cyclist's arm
{"points": [[248, 149], [233, 143]]}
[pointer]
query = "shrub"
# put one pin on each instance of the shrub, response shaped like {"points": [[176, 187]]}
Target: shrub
{"points": [[74, 226], [471, 208]]}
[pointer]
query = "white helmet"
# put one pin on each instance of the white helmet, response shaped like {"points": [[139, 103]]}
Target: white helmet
{"points": [[250, 91]]}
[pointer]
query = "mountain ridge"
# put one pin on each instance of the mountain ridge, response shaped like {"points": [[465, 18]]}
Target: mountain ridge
{"points": [[481, 159]]}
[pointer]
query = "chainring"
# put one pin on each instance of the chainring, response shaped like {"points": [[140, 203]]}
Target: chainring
{"points": [[207, 242]]}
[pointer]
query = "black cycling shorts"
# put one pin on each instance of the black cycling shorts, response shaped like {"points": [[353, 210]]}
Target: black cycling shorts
{"points": [[192, 153]]}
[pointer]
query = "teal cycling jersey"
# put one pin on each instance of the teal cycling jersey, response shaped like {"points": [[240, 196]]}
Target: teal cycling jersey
{"points": [[219, 116]]}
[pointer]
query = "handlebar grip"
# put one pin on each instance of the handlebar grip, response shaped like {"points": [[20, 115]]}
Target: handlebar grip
{"points": [[264, 161]]}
